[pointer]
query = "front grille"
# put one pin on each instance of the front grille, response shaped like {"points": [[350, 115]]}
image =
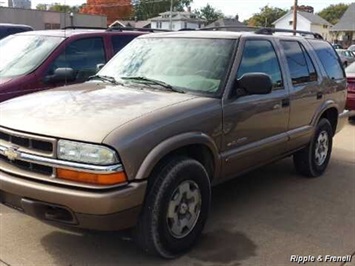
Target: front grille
{"points": [[31, 167], [27, 142]]}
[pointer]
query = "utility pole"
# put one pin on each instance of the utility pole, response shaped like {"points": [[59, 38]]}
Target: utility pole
{"points": [[171, 15], [295, 5]]}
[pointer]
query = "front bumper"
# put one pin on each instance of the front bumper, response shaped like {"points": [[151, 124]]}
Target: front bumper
{"points": [[113, 209]]}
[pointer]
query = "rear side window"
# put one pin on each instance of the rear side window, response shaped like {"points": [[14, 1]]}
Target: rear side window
{"points": [[120, 41], [328, 58], [260, 56], [299, 63]]}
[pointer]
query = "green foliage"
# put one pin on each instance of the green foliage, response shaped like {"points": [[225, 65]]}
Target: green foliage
{"points": [[333, 13], [209, 13], [145, 9], [58, 7], [266, 17]]}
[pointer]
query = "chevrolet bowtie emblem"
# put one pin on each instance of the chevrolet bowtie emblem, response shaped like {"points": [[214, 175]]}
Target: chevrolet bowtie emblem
{"points": [[11, 153]]}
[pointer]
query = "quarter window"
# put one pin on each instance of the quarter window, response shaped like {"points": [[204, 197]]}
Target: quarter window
{"points": [[260, 56], [328, 58], [299, 63]]}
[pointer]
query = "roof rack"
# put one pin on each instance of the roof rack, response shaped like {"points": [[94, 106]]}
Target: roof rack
{"points": [[247, 28], [135, 29], [266, 31], [270, 31], [114, 28]]}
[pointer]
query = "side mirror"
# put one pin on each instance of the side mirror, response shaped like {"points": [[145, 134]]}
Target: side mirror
{"points": [[64, 74], [255, 83]]}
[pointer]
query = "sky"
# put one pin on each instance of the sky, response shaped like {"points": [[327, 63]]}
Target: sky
{"points": [[244, 8]]}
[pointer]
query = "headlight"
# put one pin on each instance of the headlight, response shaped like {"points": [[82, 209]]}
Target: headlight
{"points": [[86, 153]]}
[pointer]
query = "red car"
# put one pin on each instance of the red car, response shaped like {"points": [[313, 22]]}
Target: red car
{"points": [[39, 60], [350, 74]]}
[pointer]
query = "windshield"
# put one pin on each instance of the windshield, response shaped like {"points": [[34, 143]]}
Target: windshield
{"points": [[21, 54], [197, 65]]}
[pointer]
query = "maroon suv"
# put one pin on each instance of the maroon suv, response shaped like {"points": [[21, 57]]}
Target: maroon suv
{"points": [[40, 60]]}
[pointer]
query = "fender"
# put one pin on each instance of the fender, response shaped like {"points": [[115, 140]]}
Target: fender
{"points": [[176, 142], [319, 112]]}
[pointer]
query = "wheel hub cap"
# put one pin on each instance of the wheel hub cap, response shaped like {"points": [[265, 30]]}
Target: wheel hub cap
{"points": [[184, 209], [321, 149]]}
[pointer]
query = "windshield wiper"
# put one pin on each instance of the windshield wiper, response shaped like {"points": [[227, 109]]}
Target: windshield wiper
{"points": [[153, 82], [105, 78]]}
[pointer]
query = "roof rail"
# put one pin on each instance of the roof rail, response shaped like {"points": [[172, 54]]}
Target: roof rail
{"points": [[270, 31], [83, 27], [247, 28], [135, 29]]}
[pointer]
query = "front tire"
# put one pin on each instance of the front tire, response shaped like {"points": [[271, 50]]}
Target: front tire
{"points": [[313, 159], [175, 209]]}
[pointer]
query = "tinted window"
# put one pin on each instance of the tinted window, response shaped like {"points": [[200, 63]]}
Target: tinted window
{"points": [[328, 58], [120, 41], [297, 58], [83, 56], [260, 56]]}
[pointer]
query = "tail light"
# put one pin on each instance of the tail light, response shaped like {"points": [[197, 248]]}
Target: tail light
{"points": [[351, 85]]}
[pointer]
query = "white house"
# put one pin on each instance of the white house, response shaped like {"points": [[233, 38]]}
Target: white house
{"points": [[180, 20], [305, 21]]}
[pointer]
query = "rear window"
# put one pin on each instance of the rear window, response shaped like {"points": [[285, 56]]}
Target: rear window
{"points": [[328, 58]]}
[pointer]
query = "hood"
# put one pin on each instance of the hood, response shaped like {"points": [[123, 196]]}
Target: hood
{"points": [[86, 112]]}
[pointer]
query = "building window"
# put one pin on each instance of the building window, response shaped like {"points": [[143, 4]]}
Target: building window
{"points": [[185, 25], [290, 23], [50, 26], [325, 26], [159, 24]]}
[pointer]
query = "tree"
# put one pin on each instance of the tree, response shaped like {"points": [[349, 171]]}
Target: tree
{"points": [[58, 7], [333, 13], [266, 16], [113, 9], [209, 13], [41, 7], [145, 9]]}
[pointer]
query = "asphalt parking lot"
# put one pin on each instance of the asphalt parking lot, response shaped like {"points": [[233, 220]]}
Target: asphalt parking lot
{"points": [[262, 218]]}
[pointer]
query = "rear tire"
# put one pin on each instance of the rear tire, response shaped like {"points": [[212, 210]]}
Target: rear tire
{"points": [[175, 209], [313, 159]]}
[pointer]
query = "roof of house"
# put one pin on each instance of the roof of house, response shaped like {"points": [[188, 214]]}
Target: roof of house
{"points": [[347, 21], [313, 18], [226, 22], [178, 16]]}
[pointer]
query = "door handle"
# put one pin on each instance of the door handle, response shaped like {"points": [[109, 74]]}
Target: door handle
{"points": [[319, 95]]}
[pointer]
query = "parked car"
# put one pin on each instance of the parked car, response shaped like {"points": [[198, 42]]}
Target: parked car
{"points": [[141, 143], [337, 46], [346, 56], [40, 60], [352, 48], [7, 29], [350, 75]]}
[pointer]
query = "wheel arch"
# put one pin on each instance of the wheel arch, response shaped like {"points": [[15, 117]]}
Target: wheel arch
{"points": [[328, 110], [195, 145]]}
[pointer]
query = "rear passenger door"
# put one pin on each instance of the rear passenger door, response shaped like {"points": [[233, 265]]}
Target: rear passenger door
{"points": [[255, 126], [306, 94]]}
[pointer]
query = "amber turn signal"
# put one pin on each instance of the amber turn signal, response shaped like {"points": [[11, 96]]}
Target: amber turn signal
{"points": [[90, 178]]}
